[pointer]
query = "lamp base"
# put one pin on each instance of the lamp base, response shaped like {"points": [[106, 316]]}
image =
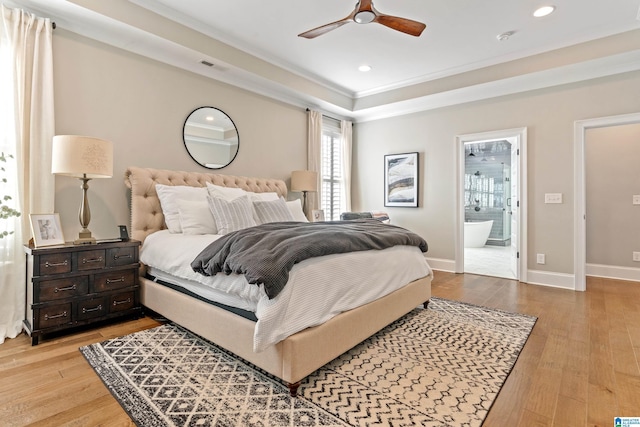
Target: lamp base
{"points": [[84, 238]]}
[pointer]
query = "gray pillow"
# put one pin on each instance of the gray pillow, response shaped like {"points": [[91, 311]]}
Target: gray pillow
{"points": [[231, 215], [272, 211]]}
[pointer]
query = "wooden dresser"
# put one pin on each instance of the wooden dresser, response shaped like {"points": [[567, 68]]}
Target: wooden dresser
{"points": [[73, 285]]}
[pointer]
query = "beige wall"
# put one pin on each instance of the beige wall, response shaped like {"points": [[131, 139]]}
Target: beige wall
{"points": [[612, 156], [141, 105], [549, 115]]}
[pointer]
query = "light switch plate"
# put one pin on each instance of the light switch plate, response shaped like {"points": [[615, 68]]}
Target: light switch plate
{"points": [[636, 199], [553, 198]]}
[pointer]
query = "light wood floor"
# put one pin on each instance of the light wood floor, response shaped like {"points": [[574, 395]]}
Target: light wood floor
{"points": [[580, 366]]}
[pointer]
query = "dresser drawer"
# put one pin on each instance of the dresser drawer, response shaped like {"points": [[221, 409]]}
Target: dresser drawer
{"points": [[53, 316], [90, 260], [51, 290], [121, 302], [55, 264], [121, 256], [88, 309], [113, 280]]}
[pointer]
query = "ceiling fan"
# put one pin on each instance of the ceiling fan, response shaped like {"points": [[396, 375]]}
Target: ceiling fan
{"points": [[365, 13]]}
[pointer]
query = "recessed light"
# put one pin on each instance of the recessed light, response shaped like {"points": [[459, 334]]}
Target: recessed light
{"points": [[364, 68], [544, 11]]}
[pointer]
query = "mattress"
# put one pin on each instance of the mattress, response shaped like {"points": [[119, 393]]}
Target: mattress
{"points": [[317, 290]]}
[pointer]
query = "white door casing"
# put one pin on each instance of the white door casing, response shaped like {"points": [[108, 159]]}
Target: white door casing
{"points": [[519, 224], [580, 204]]}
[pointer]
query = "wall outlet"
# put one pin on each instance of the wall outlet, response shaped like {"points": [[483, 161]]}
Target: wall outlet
{"points": [[540, 259], [636, 256], [553, 198]]}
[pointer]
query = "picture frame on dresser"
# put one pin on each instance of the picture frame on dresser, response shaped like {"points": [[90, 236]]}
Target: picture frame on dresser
{"points": [[46, 229], [401, 180]]}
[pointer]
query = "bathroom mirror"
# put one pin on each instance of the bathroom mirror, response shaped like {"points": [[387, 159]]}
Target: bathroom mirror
{"points": [[210, 137]]}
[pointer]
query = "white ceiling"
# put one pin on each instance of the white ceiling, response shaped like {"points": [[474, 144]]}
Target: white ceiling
{"points": [[254, 44]]}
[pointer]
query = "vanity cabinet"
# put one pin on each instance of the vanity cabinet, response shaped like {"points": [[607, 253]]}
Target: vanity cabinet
{"points": [[73, 285]]}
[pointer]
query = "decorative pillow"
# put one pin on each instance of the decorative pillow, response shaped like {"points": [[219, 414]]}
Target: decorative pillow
{"points": [[171, 196], [295, 207], [272, 211], [231, 215], [196, 218]]}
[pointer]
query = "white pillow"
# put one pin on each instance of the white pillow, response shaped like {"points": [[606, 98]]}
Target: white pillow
{"points": [[295, 207], [171, 196], [231, 215], [227, 193], [272, 211], [196, 217], [263, 196]]}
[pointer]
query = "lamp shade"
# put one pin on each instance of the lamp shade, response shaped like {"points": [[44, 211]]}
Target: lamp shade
{"points": [[304, 181], [78, 156]]}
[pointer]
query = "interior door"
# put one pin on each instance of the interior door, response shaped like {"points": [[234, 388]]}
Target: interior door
{"points": [[515, 203]]}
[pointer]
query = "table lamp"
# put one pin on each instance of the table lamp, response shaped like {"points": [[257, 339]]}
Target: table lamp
{"points": [[85, 158], [304, 181]]}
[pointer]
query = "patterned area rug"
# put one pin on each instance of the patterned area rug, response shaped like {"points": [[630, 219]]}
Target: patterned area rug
{"points": [[442, 366]]}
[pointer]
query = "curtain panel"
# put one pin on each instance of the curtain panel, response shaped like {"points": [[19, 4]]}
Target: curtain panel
{"points": [[314, 157], [26, 133], [346, 131]]}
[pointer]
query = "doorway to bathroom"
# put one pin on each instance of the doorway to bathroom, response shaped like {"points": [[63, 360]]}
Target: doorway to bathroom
{"points": [[490, 198]]}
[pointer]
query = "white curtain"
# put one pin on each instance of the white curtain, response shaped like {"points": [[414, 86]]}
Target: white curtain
{"points": [[314, 156], [26, 132], [346, 136]]}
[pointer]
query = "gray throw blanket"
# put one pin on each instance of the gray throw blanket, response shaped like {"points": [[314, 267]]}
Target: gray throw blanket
{"points": [[266, 253]]}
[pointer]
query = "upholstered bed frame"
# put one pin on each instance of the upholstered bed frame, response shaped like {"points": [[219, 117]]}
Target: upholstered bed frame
{"points": [[291, 359]]}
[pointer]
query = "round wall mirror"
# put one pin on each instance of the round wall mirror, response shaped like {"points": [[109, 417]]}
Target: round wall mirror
{"points": [[210, 137]]}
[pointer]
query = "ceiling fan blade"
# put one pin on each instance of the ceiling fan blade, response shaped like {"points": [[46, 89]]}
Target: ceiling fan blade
{"points": [[325, 28], [407, 26]]}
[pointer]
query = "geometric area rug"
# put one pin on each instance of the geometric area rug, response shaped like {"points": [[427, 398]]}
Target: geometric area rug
{"points": [[441, 366]]}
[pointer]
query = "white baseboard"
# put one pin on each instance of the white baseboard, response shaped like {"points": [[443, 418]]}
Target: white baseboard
{"points": [[534, 277], [440, 264], [552, 279], [613, 272]]}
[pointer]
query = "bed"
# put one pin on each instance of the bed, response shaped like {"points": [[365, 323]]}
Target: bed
{"points": [[292, 358]]}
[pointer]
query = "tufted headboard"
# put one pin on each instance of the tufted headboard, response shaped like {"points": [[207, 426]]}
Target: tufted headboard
{"points": [[146, 214]]}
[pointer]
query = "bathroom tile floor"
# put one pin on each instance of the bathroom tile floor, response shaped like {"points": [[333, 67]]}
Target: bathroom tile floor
{"points": [[489, 261]]}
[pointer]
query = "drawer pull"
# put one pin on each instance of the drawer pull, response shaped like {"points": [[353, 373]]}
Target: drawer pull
{"points": [[88, 310], [55, 264], [68, 288], [86, 261], [120, 280], [116, 303], [57, 316], [116, 256]]}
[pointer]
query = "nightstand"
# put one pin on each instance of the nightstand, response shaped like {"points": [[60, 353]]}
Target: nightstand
{"points": [[73, 285]]}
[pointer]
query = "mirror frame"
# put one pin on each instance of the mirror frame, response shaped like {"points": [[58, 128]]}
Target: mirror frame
{"points": [[192, 155]]}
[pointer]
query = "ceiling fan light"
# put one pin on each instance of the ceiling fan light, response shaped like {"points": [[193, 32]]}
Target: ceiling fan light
{"points": [[364, 17], [544, 11]]}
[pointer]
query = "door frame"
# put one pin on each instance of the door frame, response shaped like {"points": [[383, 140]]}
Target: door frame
{"points": [[521, 143], [580, 204]]}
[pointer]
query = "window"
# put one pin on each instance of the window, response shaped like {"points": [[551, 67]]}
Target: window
{"points": [[332, 199]]}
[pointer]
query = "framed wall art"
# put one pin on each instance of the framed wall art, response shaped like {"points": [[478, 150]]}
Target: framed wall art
{"points": [[46, 229], [401, 180]]}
